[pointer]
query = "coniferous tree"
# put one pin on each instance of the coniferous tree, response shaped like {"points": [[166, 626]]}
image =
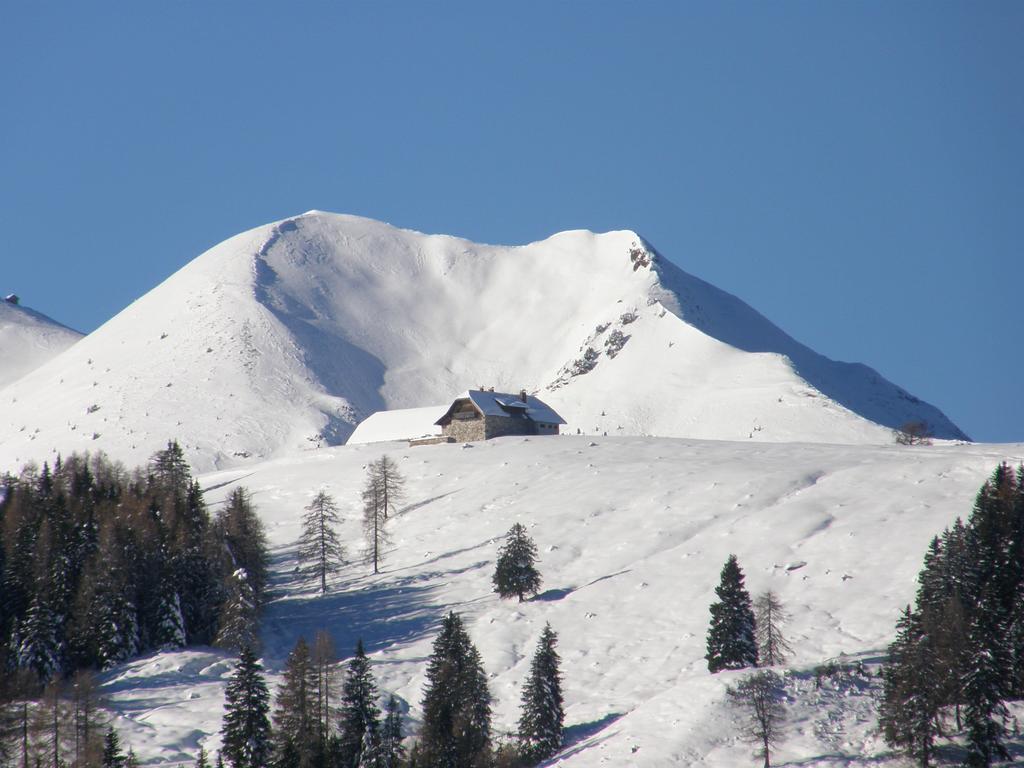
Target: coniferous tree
{"points": [[986, 685], [86, 717], [769, 616], [244, 540], [731, 643], [319, 546], [540, 724], [169, 631], [359, 716], [760, 696], [375, 518], [113, 757], [296, 732], [456, 731], [202, 759], [516, 573], [239, 620], [324, 705], [390, 484], [246, 728], [392, 751], [911, 698]]}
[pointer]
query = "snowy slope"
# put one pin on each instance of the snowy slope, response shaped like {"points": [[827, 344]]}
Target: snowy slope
{"points": [[284, 337], [28, 339], [632, 534]]}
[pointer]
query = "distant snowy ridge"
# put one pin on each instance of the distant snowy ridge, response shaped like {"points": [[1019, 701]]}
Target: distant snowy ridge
{"points": [[28, 339], [283, 338]]}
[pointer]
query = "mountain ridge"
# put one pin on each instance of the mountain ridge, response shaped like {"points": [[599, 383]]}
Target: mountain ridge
{"points": [[28, 339], [283, 337]]}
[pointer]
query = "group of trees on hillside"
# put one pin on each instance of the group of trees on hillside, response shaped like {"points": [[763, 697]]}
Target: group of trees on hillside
{"points": [[320, 549], [99, 564], [320, 722], [745, 633], [958, 655]]}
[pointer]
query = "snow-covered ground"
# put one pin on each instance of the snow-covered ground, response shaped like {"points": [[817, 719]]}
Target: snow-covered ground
{"points": [[632, 534], [283, 338], [28, 339]]}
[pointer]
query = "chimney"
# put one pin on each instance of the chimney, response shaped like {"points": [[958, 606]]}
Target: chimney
{"points": [[522, 395]]}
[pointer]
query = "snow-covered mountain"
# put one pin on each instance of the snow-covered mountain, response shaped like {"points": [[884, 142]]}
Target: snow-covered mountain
{"points": [[28, 339], [284, 337], [632, 534]]}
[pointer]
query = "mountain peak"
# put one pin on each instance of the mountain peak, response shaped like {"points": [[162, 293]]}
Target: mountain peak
{"points": [[284, 337]]}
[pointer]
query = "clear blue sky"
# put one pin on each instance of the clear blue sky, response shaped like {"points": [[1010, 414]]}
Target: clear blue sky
{"points": [[855, 171]]}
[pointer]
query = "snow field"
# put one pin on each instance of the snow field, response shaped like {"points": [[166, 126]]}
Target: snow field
{"points": [[632, 534]]}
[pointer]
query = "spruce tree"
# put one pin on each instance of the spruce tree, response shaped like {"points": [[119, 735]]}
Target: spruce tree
{"points": [[296, 732], [113, 757], [731, 643], [244, 541], [202, 759], [911, 700], [516, 572], [392, 751], [456, 730], [359, 721], [320, 548], [169, 631], [246, 728], [540, 724], [986, 685], [239, 619]]}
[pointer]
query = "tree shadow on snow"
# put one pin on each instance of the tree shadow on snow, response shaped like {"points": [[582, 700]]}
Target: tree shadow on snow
{"points": [[581, 736], [552, 595]]}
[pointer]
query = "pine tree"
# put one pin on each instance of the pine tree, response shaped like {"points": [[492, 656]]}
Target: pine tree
{"points": [[239, 619], [359, 721], [986, 684], [516, 573], [296, 732], [320, 548], [246, 729], [769, 617], [456, 730], [375, 517], [244, 541], [911, 697], [202, 759], [169, 632], [113, 757], [540, 724], [392, 751], [731, 643]]}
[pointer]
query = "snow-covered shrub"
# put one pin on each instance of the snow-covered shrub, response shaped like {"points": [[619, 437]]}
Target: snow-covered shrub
{"points": [[586, 363], [615, 342]]}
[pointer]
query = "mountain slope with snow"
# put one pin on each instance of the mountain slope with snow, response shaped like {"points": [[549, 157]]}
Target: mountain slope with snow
{"points": [[632, 534], [284, 337], [28, 339]]}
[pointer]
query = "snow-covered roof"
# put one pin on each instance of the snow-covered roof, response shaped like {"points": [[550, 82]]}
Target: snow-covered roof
{"points": [[506, 404], [404, 424]]}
